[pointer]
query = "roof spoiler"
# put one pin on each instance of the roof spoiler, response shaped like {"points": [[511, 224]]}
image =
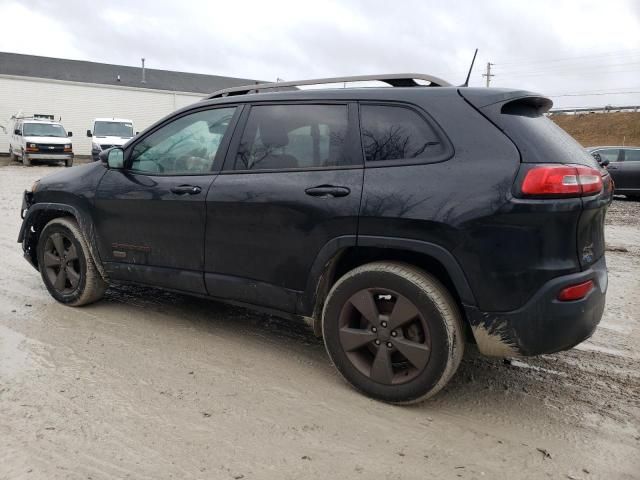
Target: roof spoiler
{"points": [[485, 97], [394, 80]]}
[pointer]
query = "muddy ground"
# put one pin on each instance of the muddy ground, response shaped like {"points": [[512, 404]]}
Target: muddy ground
{"points": [[152, 385]]}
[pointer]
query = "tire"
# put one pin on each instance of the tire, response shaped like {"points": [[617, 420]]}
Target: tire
{"points": [[432, 336], [26, 161], [81, 283], [68, 163]]}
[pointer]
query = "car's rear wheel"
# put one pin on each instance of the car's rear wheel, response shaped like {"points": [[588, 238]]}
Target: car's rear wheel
{"points": [[66, 266], [393, 331]]}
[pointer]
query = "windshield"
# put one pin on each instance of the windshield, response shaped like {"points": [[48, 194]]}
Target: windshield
{"points": [[43, 130], [113, 129]]}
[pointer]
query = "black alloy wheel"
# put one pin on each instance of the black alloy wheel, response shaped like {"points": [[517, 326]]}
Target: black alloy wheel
{"points": [[61, 263], [384, 336]]}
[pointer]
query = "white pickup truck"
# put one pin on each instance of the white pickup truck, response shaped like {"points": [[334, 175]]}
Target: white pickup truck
{"points": [[109, 132], [39, 139]]}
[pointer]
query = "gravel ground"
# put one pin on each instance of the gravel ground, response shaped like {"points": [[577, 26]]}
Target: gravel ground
{"points": [[149, 384], [624, 211]]}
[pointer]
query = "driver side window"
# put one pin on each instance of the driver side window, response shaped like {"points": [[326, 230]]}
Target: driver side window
{"points": [[185, 146]]}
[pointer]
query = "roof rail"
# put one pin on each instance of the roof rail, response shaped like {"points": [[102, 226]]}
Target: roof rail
{"points": [[393, 79]]}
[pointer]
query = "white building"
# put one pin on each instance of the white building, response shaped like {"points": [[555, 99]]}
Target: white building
{"points": [[77, 92]]}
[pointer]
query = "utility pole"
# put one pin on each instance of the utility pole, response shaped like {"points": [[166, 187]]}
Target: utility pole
{"points": [[488, 74]]}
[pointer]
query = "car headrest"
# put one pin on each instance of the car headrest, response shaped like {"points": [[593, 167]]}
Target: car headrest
{"points": [[273, 134]]}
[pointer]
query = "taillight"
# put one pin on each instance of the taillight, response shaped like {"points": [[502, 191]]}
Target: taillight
{"points": [[562, 180], [575, 292]]}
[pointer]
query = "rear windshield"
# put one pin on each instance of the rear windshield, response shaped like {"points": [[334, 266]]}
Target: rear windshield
{"points": [[537, 137]]}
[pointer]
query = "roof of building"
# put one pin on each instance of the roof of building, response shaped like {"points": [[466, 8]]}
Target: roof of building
{"points": [[107, 74]]}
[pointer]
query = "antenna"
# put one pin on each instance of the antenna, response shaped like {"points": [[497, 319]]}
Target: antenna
{"points": [[466, 82]]}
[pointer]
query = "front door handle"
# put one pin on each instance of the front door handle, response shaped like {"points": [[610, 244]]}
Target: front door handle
{"points": [[186, 190], [327, 191]]}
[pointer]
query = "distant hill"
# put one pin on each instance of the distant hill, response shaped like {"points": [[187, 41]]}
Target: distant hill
{"points": [[591, 129]]}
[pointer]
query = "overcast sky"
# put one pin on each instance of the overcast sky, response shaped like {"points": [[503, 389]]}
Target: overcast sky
{"points": [[554, 47]]}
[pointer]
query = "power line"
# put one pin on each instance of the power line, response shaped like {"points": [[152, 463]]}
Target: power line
{"points": [[551, 60], [568, 73], [603, 90], [556, 68], [591, 94], [569, 68]]}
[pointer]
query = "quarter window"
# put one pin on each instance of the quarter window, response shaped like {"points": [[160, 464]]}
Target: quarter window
{"points": [[397, 133], [185, 146], [294, 136]]}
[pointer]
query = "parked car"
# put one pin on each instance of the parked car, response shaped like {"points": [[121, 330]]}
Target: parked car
{"points": [[399, 222], [623, 164], [109, 132], [39, 139]]}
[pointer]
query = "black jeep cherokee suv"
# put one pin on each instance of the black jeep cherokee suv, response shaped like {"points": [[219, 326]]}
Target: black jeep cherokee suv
{"points": [[400, 221]]}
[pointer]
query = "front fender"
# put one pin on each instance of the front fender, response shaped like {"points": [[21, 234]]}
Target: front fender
{"points": [[40, 212]]}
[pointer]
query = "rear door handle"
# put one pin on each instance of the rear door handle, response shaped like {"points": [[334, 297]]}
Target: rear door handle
{"points": [[186, 190], [328, 191]]}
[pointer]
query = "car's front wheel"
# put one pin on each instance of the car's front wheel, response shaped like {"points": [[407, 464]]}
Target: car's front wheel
{"points": [[66, 266], [393, 331]]}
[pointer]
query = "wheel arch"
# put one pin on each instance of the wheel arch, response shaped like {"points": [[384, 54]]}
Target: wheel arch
{"points": [[40, 214], [343, 254]]}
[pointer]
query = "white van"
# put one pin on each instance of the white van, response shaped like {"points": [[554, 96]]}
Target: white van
{"points": [[109, 132], [34, 138]]}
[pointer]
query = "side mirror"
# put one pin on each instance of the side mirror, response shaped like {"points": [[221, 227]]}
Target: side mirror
{"points": [[604, 163], [16, 131], [114, 158], [69, 134], [137, 133], [89, 133]]}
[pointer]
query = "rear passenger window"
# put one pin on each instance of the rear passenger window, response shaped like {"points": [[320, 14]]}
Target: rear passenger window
{"points": [[397, 133], [293, 136], [609, 154]]}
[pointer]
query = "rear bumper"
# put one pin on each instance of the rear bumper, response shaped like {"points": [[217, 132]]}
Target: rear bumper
{"points": [[544, 324]]}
